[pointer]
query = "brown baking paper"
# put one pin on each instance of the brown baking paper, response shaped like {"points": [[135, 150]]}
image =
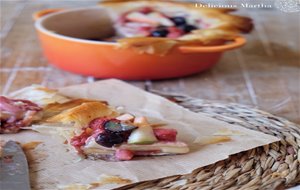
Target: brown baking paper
{"points": [[53, 166]]}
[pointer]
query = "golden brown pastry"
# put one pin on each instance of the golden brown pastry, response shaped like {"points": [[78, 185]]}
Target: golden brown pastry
{"points": [[77, 112], [98, 131]]}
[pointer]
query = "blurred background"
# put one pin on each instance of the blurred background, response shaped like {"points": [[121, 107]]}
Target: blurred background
{"points": [[265, 73]]}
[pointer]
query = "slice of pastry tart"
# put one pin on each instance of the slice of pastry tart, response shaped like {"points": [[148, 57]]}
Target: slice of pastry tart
{"points": [[119, 139], [99, 131]]}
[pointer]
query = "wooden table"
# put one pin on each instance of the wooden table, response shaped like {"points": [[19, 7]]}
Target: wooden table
{"points": [[265, 73]]}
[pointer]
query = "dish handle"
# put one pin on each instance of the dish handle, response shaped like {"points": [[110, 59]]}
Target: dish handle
{"points": [[37, 15], [237, 42]]}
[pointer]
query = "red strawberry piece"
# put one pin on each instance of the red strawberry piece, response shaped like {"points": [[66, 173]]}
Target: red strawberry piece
{"points": [[122, 19], [123, 154], [98, 124], [94, 128], [146, 10], [164, 134], [174, 32], [145, 30], [79, 140], [97, 132]]}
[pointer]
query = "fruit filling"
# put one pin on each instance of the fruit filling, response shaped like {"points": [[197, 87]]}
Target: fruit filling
{"points": [[115, 132], [149, 22], [127, 136], [106, 132]]}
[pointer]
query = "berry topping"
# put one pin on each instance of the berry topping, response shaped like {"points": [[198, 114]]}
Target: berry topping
{"points": [[165, 134], [160, 32], [178, 20], [123, 154], [78, 141], [97, 125], [107, 132], [188, 28], [146, 10], [115, 132], [174, 32], [108, 139]]}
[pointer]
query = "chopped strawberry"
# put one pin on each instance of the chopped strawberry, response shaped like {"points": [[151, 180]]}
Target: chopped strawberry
{"points": [[97, 132], [94, 128], [146, 10], [97, 124], [174, 32], [123, 154], [122, 19], [164, 134], [145, 30], [79, 140]]}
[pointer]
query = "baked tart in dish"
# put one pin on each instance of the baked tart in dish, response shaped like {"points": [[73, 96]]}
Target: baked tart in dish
{"points": [[98, 131], [157, 26]]}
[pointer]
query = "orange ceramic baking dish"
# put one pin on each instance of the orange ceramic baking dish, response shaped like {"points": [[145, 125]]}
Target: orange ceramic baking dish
{"points": [[63, 35]]}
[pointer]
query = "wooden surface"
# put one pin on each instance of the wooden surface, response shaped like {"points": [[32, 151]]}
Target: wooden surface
{"points": [[265, 73]]}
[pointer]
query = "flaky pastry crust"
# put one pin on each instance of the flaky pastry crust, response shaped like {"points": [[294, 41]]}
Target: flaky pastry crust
{"points": [[225, 27], [78, 112]]}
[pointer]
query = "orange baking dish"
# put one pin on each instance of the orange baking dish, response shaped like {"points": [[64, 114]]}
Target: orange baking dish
{"points": [[63, 35]]}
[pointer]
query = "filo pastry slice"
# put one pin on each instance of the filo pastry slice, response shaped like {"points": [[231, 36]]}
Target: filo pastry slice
{"points": [[97, 130]]}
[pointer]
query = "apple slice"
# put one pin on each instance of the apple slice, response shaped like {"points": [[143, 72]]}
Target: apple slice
{"points": [[140, 17], [125, 117], [161, 19], [153, 18], [142, 135]]}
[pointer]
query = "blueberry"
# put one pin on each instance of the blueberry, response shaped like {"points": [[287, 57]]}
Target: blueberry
{"points": [[160, 32], [178, 20], [188, 28], [115, 132], [109, 139]]}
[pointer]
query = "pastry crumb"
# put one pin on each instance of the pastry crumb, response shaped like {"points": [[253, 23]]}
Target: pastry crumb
{"points": [[212, 140], [31, 145]]}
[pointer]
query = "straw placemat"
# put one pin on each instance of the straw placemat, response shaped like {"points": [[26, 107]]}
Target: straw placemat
{"points": [[274, 166]]}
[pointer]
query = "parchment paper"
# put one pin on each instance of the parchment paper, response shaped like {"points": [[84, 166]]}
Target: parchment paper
{"points": [[52, 165]]}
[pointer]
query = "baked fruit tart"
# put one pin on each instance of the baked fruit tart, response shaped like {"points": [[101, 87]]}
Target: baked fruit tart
{"points": [[93, 128], [156, 26]]}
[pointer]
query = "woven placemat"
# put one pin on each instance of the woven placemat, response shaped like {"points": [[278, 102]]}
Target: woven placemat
{"points": [[274, 166]]}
